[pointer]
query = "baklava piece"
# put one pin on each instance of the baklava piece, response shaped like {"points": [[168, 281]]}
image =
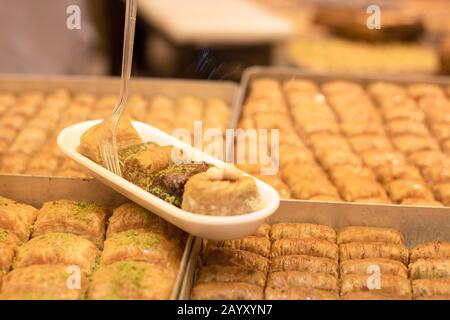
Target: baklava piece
{"points": [[17, 218], [234, 257], [363, 143], [431, 287], [431, 250], [442, 193], [388, 173], [8, 243], [131, 280], [304, 263], [221, 192], [409, 144], [421, 90], [369, 234], [401, 189], [227, 291], [365, 250], [89, 141], [311, 247], [131, 216], [302, 230], [375, 158], [361, 266], [58, 249], [259, 245], [389, 284], [429, 269], [84, 219], [227, 274], [298, 279], [144, 246], [43, 282]]}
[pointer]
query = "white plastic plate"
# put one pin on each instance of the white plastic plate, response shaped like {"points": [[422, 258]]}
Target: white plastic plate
{"points": [[209, 227]]}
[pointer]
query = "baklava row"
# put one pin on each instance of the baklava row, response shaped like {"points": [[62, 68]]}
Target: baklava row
{"points": [[383, 143], [298, 261], [60, 252], [30, 123]]}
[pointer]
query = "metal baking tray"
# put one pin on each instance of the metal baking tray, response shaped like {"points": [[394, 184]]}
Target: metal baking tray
{"points": [[147, 87], [37, 190], [418, 225], [286, 73]]}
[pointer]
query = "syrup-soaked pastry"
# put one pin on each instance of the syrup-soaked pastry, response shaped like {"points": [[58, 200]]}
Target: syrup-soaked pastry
{"points": [[131, 280], [440, 130], [389, 173], [351, 129], [302, 230], [58, 249], [406, 127], [142, 245], [84, 219], [374, 295], [431, 287], [409, 144], [430, 158], [168, 184], [375, 158], [332, 158], [431, 250], [344, 172], [89, 141], [299, 172], [362, 266], [299, 294], [420, 90], [227, 291], [325, 141], [421, 202], [259, 245], [308, 189], [8, 243], [221, 192], [401, 189], [355, 188], [442, 193], [430, 268], [388, 284], [341, 86], [277, 183], [304, 263], [366, 250], [363, 143], [307, 246], [42, 282], [369, 234], [140, 167], [234, 257], [211, 274], [302, 85], [131, 216], [298, 279], [263, 230], [17, 218]]}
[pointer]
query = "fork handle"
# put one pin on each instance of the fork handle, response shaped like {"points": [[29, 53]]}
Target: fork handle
{"points": [[127, 59]]}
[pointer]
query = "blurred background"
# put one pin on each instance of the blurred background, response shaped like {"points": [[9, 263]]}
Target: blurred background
{"points": [[217, 39]]}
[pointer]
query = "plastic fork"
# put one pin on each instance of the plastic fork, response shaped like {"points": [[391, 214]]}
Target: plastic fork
{"points": [[108, 141]]}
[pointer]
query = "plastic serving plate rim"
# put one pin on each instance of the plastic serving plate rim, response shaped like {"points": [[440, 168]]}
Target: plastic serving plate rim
{"points": [[119, 182]]}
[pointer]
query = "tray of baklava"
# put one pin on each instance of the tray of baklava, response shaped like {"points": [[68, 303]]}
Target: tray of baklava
{"points": [[353, 138], [292, 257], [33, 110], [70, 240]]}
